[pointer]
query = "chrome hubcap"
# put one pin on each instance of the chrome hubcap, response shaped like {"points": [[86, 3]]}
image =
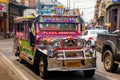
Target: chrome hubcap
{"points": [[108, 61]]}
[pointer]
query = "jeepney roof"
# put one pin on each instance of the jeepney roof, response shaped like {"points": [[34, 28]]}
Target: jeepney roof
{"points": [[59, 18], [53, 15]]}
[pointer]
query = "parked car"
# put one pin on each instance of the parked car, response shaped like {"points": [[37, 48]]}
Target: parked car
{"points": [[92, 34]]}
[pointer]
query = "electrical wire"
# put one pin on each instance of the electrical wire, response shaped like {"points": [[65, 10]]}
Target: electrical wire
{"points": [[85, 1], [87, 8]]}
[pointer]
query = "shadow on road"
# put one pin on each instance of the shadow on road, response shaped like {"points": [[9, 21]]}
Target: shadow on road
{"points": [[71, 75], [118, 71]]}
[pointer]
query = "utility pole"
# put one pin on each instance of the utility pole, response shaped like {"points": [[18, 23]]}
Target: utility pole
{"points": [[69, 4], [37, 6]]}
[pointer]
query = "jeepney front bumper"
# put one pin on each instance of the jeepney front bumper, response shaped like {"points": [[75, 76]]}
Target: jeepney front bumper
{"points": [[68, 63], [71, 64]]}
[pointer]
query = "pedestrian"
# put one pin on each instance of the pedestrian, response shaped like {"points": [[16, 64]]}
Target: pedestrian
{"points": [[115, 26]]}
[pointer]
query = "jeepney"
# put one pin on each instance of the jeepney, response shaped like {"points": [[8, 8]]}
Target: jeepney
{"points": [[53, 43]]}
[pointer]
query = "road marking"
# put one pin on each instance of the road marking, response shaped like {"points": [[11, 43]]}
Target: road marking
{"points": [[105, 76], [10, 62]]}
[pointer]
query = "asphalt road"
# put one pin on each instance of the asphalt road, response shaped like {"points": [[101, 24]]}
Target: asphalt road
{"points": [[25, 71]]}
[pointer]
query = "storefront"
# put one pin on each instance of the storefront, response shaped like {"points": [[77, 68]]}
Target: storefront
{"points": [[113, 12], [3, 19], [15, 10], [9, 9]]}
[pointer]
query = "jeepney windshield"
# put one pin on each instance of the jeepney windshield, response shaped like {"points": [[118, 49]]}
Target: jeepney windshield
{"points": [[59, 26]]}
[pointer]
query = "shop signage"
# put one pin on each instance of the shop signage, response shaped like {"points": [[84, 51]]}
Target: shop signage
{"points": [[3, 7], [4, 1], [116, 0]]}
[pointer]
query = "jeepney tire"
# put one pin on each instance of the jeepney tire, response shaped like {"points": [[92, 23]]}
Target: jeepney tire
{"points": [[21, 60], [89, 73], [17, 52], [43, 67], [108, 61]]}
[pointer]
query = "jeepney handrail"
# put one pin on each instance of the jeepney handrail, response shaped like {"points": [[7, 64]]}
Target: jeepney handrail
{"points": [[64, 54], [75, 58]]}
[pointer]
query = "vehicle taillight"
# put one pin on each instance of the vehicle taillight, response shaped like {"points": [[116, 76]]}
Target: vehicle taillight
{"points": [[90, 38]]}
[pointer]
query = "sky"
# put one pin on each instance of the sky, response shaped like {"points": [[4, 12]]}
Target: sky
{"points": [[85, 6]]}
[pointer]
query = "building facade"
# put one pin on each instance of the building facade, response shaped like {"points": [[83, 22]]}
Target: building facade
{"points": [[3, 17], [32, 9], [15, 9], [113, 12], [9, 9], [46, 6], [108, 12]]}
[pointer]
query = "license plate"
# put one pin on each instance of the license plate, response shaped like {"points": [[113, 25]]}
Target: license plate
{"points": [[73, 64]]}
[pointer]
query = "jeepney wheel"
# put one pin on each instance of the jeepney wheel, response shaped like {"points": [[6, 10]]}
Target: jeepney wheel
{"points": [[108, 62], [43, 68], [89, 73], [21, 60], [17, 51]]}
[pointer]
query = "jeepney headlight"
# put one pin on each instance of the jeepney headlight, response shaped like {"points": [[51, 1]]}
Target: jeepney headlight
{"points": [[81, 43], [56, 43], [89, 42]]}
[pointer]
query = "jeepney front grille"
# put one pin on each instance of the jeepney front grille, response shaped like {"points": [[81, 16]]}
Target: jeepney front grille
{"points": [[70, 54], [74, 54]]}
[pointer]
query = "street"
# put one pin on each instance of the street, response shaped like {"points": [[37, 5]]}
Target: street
{"points": [[59, 35], [25, 71]]}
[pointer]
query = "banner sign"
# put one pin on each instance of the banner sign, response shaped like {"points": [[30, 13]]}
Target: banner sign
{"points": [[4, 1]]}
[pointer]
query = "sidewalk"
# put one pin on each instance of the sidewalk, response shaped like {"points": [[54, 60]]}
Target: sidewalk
{"points": [[5, 72]]}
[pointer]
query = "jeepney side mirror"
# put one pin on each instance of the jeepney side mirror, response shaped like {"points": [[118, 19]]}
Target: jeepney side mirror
{"points": [[88, 42]]}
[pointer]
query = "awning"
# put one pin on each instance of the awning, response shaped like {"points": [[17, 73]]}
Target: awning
{"points": [[18, 5]]}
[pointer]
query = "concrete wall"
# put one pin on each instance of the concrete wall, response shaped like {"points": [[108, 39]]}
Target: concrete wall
{"points": [[29, 12]]}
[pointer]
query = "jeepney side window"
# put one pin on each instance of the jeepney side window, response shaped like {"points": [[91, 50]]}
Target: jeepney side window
{"points": [[17, 27], [26, 29], [20, 27]]}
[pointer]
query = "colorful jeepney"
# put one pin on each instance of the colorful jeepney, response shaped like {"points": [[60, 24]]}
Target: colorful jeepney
{"points": [[52, 42]]}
